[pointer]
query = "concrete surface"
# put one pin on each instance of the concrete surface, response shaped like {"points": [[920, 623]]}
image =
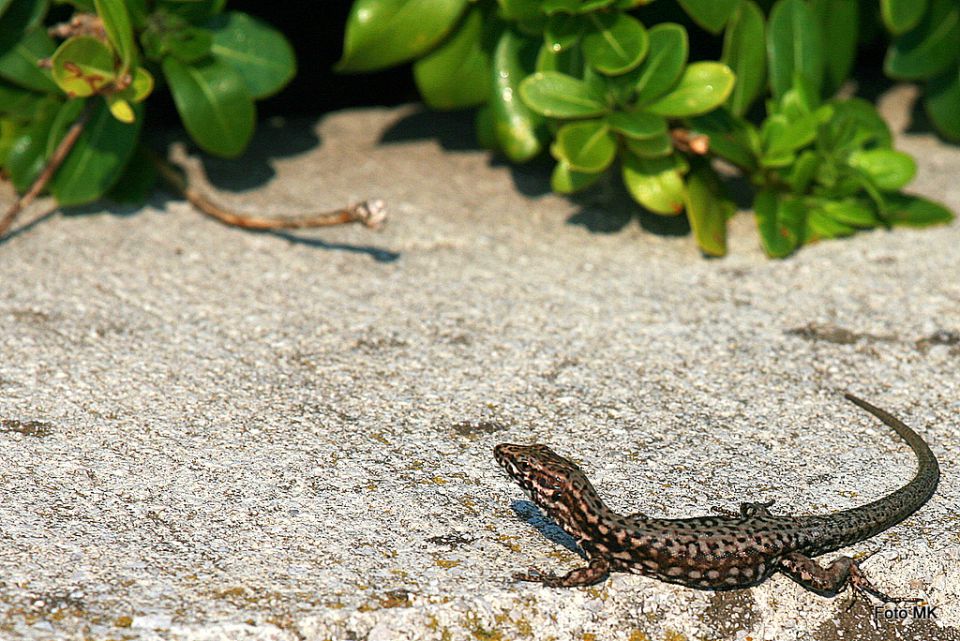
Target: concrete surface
{"points": [[213, 434]]}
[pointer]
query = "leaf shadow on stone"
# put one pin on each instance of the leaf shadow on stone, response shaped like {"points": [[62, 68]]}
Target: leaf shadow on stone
{"points": [[530, 513], [607, 208], [254, 168], [453, 130]]}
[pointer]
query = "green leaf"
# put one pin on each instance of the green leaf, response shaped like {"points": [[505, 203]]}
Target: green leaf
{"points": [[855, 125], [708, 208], [803, 171], [781, 136], [563, 31], [565, 180], [744, 53], [586, 146], [655, 183], [888, 169], [82, 66], [942, 103], [28, 153], [255, 50], [383, 33], [561, 96], [457, 73], [615, 44], [902, 15], [731, 137], [18, 18], [702, 87], [930, 47], [551, 7], [637, 124], [914, 211], [214, 104], [20, 63], [17, 103], [138, 180], [840, 24], [116, 22], [661, 69], [518, 127], [194, 11], [794, 46], [97, 159], [850, 211], [781, 222], [709, 14], [168, 34], [657, 147], [820, 226], [517, 10]]}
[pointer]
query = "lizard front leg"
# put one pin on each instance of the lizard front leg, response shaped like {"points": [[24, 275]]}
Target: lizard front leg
{"points": [[832, 579], [597, 571]]}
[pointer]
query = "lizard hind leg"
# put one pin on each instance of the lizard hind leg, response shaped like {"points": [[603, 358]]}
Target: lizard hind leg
{"points": [[597, 571], [831, 580]]}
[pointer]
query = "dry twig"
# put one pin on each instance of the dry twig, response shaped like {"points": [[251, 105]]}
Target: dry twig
{"points": [[371, 213]]}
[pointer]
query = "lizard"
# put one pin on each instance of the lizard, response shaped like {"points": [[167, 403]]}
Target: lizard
{"points": [[726, 551]]}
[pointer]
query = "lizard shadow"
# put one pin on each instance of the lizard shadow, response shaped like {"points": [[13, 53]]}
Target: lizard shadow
{"points": [[542, 523]]}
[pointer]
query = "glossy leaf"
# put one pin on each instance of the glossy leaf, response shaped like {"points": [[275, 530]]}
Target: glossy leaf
{"points": [[563, 31], [19, 63], [707, 208], [565, 180], [855, 125], [781, 222], [712, 15], [17, 102], [839, 22], [637, 124], [586, 146], [561, 96], [18, 18], [655, 183], [516, 10], [28, 153], [850, 211], [794, 46], [888, 169], [743, 52], [914, 211], [942, 103], [656, 147], [551, 7], [171, 35], [615, 43], [900, 16], [382, 33], [194, 11], [97, 159], [928, 49], [702, 87], [116, 22], [214, 104], [819, 225], [457, 73], [662, 67], [255, 50], [82, 66], [517, 126]]}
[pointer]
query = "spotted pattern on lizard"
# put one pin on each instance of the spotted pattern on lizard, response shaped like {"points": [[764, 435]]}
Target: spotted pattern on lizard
{"points": [[714, 552]]}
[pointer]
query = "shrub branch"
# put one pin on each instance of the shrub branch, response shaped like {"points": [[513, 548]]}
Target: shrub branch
{"points": [[59, 155], [371, 213]]}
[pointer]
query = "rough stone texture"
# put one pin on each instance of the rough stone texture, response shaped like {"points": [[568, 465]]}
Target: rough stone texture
{"points": [[213, 434]]}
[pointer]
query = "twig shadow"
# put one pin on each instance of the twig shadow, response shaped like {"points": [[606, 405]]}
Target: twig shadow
{"points": [[376, 253], [550, 530]]}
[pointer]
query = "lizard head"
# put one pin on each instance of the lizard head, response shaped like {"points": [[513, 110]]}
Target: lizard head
{"points": [[550, 480]]}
